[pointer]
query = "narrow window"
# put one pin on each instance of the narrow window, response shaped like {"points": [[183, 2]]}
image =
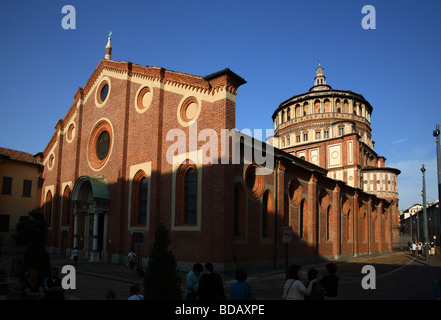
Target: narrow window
{"points": [[7, 185], [143, 191], [190, 197], [66, 206], [48, 208], [302, 208], [317, 135], [27, 188]]}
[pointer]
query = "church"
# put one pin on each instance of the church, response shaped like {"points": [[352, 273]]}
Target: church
{"points": [[113, 172]]}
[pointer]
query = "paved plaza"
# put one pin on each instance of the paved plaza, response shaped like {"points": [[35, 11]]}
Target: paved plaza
{"points": [[398, 276]]}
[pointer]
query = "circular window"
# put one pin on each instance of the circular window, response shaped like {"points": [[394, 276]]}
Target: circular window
{"points": [[102, 92], [254, 183], [51, 161], [103, 145], [71, 132], [144, 99], [100, 144], [189, 111]]}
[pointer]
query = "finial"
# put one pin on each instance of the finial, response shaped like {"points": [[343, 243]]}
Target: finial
{"points": [[108, 55], [319, 61]]}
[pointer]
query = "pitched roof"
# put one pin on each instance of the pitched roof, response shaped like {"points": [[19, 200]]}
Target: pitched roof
{"points": [[16, 155]]}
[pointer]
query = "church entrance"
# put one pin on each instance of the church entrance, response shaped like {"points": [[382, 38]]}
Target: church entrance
{"points": [[90, 197]]}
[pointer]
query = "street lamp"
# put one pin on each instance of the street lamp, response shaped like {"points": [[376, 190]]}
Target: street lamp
{"points": [[438, 156], [423, 170]]}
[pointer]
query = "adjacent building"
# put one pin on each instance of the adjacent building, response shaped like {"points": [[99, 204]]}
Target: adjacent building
{"points": [[20, 189]]}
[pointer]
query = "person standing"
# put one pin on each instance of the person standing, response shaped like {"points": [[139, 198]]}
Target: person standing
{"points": [[330, 282], [192, 282], [75, 254], [294, 289], [135, 293], [211, 286], [317, 292], [241, 290]]}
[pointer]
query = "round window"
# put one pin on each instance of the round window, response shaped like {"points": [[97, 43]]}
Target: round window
{"points": [[100, 144], [189, 111], [254, 183], [144, 99], [102, 92], [103, 145]]}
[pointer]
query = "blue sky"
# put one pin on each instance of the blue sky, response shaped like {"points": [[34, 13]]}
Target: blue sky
{"points": [[273, 45]]}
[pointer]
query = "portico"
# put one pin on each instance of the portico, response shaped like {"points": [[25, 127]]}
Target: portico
{"points": [[90, 198]]}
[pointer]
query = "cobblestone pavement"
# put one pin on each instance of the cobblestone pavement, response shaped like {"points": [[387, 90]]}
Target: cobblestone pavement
{"points": [[399, 276]]}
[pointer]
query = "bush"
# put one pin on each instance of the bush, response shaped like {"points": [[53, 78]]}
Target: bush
{"points": [[31, 228], [161, 281]]}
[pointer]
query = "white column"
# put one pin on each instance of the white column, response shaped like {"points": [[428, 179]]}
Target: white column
{"points": [[75, 241], [95, 231]]}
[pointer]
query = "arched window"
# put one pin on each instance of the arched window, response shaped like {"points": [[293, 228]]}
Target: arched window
{"points": [[328, 223], [142, 211], [190, 196], [239, 211], [267, 215], [186, 213], [301, 218], [350, 226], [65, 219], [48, 208], [139, 199]]}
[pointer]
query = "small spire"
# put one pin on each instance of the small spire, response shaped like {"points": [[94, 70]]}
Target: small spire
{"points": [[320, 78], [108, 55]]}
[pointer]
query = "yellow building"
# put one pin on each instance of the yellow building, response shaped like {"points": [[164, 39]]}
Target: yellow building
{"points": [[19, 191]]}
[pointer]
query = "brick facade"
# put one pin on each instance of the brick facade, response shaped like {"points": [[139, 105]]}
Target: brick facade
{"points": [[238, 220]]}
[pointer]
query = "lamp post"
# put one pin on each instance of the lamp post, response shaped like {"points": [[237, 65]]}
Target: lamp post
{"points": [[426, 237], [438, 156]]}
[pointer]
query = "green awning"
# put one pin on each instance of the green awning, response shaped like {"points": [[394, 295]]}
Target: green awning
{"points": [[100, 188]]}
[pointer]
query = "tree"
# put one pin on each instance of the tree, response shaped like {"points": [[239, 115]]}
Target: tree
{"points": [[31, 232], [161, 280], [30, 228]]}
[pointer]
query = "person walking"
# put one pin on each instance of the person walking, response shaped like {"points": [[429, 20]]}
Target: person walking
{"points": [[211, 286], [132, 260], [420, 249], [294, 289], [241, 290], [414, 248], [75, 254]]}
